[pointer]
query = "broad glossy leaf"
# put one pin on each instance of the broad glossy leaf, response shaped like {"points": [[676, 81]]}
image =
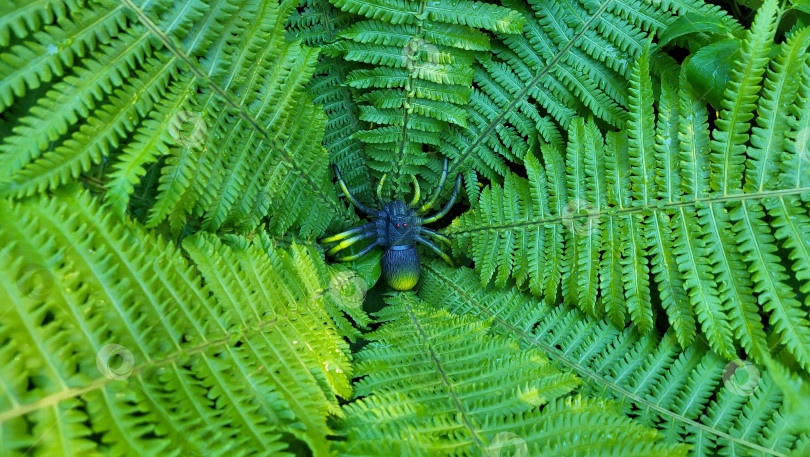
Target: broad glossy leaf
{"points": [[709, 69], [694, 23]]}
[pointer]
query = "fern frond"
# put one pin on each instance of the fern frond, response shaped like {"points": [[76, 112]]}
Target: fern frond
{"points": [[712, 255], [31, 17], [239, 354], [435, 383], [422, 54], [683, 392], [728, 144], [339, 102], [571, 59], [779, 92], [189, 88]]}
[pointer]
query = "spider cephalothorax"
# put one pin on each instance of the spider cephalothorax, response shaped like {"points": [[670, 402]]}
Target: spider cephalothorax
{"points": [[397, 227]]}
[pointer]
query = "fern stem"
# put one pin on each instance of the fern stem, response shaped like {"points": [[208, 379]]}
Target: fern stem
{"points": [[275, 143], [406, 107], [101, 382], [641, 209], [440, 368], [523, 92], [583, 371]]}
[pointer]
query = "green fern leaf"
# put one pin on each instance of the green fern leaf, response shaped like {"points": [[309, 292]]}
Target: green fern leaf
{"points": [[159, 88], [407, 407], [728, 145], [688, 393], [220, 357], [713, 256]]}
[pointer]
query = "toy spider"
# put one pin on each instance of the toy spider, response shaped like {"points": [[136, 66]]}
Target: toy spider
{"points": [[397, 228]]}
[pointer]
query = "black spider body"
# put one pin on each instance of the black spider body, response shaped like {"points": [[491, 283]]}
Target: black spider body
{"points": [[397, 224], [397, 228]]}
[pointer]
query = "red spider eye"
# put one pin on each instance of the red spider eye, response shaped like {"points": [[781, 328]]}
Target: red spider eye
{"points": [[405, 225], [397, 225]]}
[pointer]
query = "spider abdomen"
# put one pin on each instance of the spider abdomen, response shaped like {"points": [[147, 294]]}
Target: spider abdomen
{"points": [[400, 267]]}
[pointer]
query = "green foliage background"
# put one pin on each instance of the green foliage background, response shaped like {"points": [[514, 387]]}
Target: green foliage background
{"points": [[634, 232]]}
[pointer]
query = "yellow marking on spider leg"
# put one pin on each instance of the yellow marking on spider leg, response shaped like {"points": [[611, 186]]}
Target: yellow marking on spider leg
{"points": [[416, 192], [345, 190], [449, 204], [349, 258], [447, 259], [347, 233], [338, 236], [439, 236], [429, 204], [438, 251], [346, 243], [332, 238], [366, 250], [348, 194], [380, 187]]}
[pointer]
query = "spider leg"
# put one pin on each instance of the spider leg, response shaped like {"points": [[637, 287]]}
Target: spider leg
{"points": [[435, 234], [350, 241], [380, 188], [438, 190], [436, 250], [365, 251], [416, 192], [349, 195], [449, 204], [347, 233]]}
